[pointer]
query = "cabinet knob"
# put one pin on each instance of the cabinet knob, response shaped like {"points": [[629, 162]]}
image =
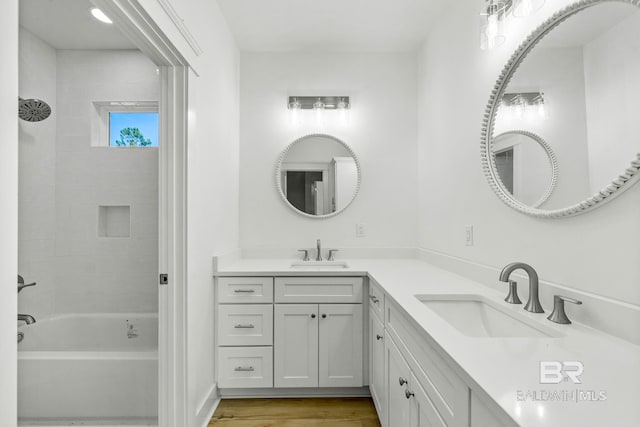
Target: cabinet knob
{"points": [[374, 299], [378, 337], [402, 381], [408, 394], [324, 316], [313, 316]]}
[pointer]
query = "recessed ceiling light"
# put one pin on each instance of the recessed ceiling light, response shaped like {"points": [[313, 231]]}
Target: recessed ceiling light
{"points": [[100, 16]]}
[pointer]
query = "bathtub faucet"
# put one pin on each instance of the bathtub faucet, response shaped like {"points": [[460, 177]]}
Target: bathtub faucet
{"points": [[27, 318]]}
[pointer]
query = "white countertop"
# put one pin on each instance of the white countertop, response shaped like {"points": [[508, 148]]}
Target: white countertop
{"points": [[506, 369]]}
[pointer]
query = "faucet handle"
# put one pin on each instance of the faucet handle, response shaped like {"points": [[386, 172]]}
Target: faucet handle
{"points": [[331, 252], [512, 297], [22, 285], [558, 314], [306, 254]]}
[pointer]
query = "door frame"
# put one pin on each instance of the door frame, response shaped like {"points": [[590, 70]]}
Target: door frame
{"points": [[131, 18]]}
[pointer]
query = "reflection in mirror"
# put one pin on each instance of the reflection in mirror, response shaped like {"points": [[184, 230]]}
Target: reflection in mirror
{"points": [[587, 70], [526, 166], [318, 175]]}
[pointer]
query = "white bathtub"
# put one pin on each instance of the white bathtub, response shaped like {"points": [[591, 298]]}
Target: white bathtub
{"points": [[89, 368]]}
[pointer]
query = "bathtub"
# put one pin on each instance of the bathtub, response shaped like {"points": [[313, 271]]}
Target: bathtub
{"points": [[89, 369]]}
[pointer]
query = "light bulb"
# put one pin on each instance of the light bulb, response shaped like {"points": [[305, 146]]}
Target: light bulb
{"points": [[492, 31], [318, 107], [343, 111], [294, 112], [491, 16]]}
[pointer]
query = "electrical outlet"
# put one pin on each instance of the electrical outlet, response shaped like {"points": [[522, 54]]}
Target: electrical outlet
{"points": [[360, 230], [468, 235]]}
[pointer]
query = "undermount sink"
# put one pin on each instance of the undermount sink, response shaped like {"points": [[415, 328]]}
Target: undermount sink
{"points": [[319, 264], [477, 316]]}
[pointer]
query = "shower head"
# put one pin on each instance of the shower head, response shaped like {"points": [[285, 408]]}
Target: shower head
{"points": [[33, 110]]}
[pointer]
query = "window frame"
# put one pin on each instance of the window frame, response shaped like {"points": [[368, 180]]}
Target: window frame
{"points": [[101, 121]]}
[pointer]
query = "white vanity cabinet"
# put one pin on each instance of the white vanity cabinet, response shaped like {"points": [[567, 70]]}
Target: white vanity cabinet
{"points": [[377, 381], [290, 332], [410, 383], [318, 336], [245, 332]]}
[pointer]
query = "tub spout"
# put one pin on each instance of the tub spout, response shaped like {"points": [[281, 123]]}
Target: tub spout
{"points": [[27, 318]]}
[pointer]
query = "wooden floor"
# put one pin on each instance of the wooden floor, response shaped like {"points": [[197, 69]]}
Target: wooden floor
{"points": [[320, 412]]}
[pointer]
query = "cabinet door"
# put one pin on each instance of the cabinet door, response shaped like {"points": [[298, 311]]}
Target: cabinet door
{"points": [[341, 341], [423, 412], [398, 375], [295, 346], [376, 365]]}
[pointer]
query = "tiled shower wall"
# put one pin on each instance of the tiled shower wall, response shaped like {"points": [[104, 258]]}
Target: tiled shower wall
{"points": [[77, 270]]}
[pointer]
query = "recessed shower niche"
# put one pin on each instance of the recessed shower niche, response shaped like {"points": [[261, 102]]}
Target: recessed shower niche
{"points": [[114, 221]]}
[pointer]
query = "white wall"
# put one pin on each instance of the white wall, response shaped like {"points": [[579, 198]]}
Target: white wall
{"points": [[101, 274], [612, 102], [381, 131], [594, 252], [9, 213], [37, 210], [212, 185]]}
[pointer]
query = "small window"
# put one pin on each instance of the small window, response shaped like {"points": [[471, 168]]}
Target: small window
{"points": [[125, 124], [133, 129]]}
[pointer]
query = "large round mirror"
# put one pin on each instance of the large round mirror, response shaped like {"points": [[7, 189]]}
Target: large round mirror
{"points": [[575, 84], [318, 175]]}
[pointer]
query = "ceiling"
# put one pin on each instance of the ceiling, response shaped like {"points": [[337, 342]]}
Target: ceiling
{"points": [[330, 25], [68, 24]]}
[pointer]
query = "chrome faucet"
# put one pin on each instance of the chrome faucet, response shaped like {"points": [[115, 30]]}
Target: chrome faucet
{"points": [[533, 304], [319, 255], [27, 318], [22, 285]]}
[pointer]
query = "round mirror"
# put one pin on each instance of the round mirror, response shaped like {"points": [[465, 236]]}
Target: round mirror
{"points": [[318, 175], [574, 87], [526, 166]]}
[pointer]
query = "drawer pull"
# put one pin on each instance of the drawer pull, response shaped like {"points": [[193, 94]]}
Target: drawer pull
{"points": [[408, 394], [244, 369], [378, 337], [241, 326], [402, 381], [374, 299], [244, 291]]}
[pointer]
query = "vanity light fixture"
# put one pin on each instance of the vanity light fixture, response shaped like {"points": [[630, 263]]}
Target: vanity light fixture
{"points": [[491, 25], [100, 16], [525, 105], [493, 15], [318, 104]]}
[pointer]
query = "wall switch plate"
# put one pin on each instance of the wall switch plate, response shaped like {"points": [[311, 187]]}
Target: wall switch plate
{"points": [[360, 230], [468, 235]]}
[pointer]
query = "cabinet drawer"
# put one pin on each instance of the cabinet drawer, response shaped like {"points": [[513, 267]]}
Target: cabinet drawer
{"points": [[318, 289], [245, 324], [449, 394], [245, 289], [376, 299], [245, 367]]}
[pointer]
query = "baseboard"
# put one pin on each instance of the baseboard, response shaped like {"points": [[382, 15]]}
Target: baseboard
{"points": [[605, 314], [237, 393], [208, 406]]}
